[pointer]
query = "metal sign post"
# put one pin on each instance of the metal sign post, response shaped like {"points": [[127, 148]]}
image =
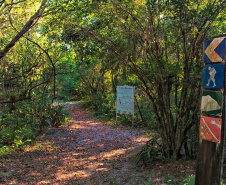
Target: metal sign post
{"points": [[212, 118], [125, 101]]}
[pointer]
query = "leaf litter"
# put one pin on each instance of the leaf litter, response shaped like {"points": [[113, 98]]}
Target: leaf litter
{"points": [[87, 150]]}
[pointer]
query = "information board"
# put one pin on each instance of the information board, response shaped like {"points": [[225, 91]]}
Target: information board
{"points": [[125, 100]]}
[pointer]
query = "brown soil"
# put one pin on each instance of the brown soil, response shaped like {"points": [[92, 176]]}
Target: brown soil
{"points": [[87, 151]]}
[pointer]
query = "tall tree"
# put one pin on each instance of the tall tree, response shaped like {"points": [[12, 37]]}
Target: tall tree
{"points": [[164, 43], [161, 42]]}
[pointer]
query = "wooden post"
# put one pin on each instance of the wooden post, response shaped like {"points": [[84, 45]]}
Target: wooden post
{"points": [[212, 118]]}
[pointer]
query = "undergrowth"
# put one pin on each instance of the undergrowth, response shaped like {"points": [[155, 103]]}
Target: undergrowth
{"points": [[151, 151], [188, 180], [26, 123]]}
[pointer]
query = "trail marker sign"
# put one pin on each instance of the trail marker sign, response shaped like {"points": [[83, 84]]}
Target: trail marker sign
{"points": [[214, 50], [212, 118], [213, 76], [211, 102], [210, 129]]}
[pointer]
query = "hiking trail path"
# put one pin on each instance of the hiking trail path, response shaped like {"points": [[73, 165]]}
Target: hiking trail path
{"points": [[84, 151]]}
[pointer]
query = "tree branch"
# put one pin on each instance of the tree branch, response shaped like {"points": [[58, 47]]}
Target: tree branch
{"points": [[24, 30]]}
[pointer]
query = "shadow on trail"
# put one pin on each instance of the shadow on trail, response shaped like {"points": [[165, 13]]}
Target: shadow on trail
{"points": [[84, 151]]}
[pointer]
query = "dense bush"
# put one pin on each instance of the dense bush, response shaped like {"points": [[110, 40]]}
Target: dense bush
{"points": [[27, 121]]}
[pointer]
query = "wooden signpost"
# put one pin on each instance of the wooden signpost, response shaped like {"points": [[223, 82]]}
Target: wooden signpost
{"points": [[212, 118]]}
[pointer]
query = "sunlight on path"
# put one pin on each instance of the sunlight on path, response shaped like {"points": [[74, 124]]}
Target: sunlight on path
{"points": [[84, 151], [100, 148]]}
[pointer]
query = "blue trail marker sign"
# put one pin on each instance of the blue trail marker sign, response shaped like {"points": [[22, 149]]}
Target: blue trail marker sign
{"points": [[211, 141], [213, 76], [214, 50]]}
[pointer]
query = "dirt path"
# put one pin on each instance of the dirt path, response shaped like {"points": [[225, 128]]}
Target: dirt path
{"points": [[85, 151]]}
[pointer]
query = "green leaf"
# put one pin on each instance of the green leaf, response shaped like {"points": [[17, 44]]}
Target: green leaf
{"points": [[191, 180], [2, 174], [146, 183], [48, 121]]}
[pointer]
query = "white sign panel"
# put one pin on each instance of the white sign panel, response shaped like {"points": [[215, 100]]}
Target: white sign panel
{"points": [[125, 100]]}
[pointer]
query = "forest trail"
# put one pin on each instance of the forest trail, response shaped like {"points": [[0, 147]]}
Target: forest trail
{"points": [[85, 151]]}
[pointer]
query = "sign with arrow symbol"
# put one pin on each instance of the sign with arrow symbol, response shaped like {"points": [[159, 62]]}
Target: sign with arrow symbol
{"points": [[214, 50], [213, 113]]}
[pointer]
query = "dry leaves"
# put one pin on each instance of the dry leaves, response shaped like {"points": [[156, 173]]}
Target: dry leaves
{"points": [[84, 151]]}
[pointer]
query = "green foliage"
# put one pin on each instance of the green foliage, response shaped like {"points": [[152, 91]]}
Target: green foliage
{"points": [[19, 130], [189, 180], [150, 152], [2, 174], [85, 49], [146, 183], [106, 104], [28, 121], [67, 79], [143, 112], [171, 180], [57, 116]]}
